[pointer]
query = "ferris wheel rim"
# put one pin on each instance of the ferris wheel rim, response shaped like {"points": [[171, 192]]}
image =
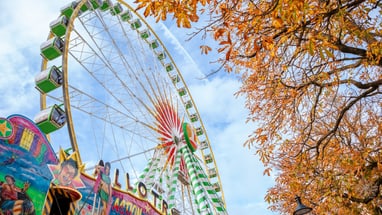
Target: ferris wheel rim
{"points": [[65, 85]]}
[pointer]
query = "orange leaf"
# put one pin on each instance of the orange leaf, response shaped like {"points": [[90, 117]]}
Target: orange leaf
{"points": [[267, 171], [205, 49], [218, 33]]}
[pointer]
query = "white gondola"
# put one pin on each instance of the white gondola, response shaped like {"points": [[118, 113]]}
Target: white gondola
{"points": [[153, 43], [194, 117], [169, 67], [145, 34], [106, 5], [126, 16], [203, 145], [199, 131], [216, 187], [208, 158], [50, 119], [48, 79], [52, 48], [212, 173], [116, 9], [188, 104], [95, 4], [136, 23], [175, 79], [182, 91], [58, 26], [85, 7], [161, 55], [68, 9]]}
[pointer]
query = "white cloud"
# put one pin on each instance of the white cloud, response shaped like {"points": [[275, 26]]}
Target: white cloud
{"points": [[240, 170], [23, 27]]}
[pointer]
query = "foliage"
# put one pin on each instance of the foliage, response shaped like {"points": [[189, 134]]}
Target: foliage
{"points": [[312, 76]]}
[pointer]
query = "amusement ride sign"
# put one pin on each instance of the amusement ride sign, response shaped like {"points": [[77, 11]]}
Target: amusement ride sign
{"points": [[28, 160]]}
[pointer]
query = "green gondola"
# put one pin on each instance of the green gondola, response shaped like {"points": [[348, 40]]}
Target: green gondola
{"points": [[203, 145], [144, 34], [126, 16], [106, 5], [212, 173], [58, 26], [52, 48], [182, 91], [85, 7], [135, 24], [68, 9], [51, 119], [90, 5], [116, 9], [48, 79], [153, 44], [161, 55], [96, 4], [188, 104], [169, 67], [194, 117], [208, 158], [216, 186], [175, 79], [199, 131]]}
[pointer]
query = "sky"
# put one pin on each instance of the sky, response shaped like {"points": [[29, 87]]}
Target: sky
{"points": [[24, 25]]}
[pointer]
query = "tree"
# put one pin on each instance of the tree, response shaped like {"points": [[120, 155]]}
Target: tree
{"points": [[312, 76]]}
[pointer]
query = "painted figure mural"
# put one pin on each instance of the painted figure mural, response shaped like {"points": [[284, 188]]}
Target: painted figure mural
{"points": [[14, 200], [103, 186]]}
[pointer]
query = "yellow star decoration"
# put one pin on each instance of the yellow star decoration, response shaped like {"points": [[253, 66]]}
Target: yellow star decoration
{"points": [[4, 128], [63, 155], [148, 208]]}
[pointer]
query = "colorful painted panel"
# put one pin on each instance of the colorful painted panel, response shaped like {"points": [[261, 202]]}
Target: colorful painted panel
{"points": [[29, 167], [24, 174], [96, 199]]}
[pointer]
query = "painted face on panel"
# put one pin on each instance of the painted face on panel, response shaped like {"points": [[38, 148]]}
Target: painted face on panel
{"points": [[67, 173]]}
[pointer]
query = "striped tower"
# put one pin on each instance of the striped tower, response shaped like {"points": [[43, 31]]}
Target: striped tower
{"points": [[148, 174], [201, 197], [149, 180], [213, 196], [168, 182], [202, 188], [174, 180]]}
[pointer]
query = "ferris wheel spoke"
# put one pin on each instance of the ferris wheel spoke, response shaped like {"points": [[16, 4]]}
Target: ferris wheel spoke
{"points": [[120, 56], [99, 109], [109, 89]]}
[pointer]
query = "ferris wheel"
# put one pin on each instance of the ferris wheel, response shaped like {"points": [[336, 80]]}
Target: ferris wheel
{"points": [[109, 82]]}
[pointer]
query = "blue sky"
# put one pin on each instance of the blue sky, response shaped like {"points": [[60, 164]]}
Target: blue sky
{"points": [[24, 25]]}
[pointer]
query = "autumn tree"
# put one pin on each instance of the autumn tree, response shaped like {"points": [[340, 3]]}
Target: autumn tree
{"points": [[312, 76]]}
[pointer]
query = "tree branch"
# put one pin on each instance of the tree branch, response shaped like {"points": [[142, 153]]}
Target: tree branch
{"points": [[374, 194], [350, 50], [342, 113]]}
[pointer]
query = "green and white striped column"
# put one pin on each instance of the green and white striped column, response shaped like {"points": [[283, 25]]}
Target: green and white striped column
{"points": [[203, 190], [148, 174], [174, 180], [197, 186], [214, 198]]}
